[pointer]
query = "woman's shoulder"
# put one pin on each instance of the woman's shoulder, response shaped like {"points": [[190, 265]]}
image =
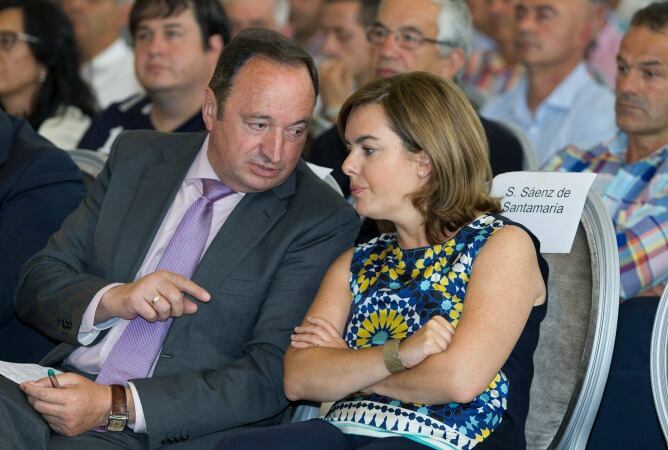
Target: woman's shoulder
{"points": [[491, 223], [512, 238]]}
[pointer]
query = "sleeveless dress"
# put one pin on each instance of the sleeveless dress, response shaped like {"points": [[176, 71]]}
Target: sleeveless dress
{"points": [[395, 292]]}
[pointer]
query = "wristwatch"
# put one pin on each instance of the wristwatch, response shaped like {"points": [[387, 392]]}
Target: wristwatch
{"points": [[118, 416]]}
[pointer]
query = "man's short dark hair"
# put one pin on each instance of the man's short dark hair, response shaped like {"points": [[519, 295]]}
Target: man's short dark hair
{"points": [[653, 16], [209, 15], [257, 42], [367, 13]]}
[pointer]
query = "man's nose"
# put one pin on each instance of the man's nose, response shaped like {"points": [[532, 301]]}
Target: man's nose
{"points": [[627, 82], [156, 44], [389, 46], [330, 47], [272, 145]]}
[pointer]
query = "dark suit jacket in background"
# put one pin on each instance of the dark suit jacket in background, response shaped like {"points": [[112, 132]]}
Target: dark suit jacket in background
{"points": [[39, 187], [505, 152], [222, 367]]}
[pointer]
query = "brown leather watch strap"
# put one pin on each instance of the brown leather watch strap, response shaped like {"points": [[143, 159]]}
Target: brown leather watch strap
{"points": [[119, 401]]}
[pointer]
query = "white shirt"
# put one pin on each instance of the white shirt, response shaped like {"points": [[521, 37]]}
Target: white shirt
{"points": [[66, 127], [111, 74], [578, 111], [90, 359]]}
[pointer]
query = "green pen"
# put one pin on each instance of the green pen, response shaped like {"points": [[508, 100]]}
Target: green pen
{"points": [[54, 380]]}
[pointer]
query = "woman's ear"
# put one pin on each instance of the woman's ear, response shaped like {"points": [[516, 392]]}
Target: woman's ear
{"points": [[424, 165]]}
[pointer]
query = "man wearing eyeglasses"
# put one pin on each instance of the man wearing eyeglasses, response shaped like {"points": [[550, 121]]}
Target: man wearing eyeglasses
{"points": [[428, 35]]}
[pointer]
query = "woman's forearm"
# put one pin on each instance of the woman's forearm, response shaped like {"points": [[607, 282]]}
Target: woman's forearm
{"points": [[328, 374], [429, 382]]}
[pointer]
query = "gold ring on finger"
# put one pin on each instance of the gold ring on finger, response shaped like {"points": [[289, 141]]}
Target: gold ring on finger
{"points": [[155, 300]]}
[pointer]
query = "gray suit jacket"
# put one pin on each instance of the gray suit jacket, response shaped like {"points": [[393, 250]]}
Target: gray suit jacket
{"points": [[222, 367]]}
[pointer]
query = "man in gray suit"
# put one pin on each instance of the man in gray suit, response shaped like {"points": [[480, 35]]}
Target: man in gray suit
{"points": [[103, 276]]}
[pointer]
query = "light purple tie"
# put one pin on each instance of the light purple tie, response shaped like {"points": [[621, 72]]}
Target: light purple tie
{"points": [[137, 348]]}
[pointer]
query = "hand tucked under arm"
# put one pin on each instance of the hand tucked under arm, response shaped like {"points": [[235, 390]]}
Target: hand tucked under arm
{"points": [[431, 339], [323, 337], [317, 333]]}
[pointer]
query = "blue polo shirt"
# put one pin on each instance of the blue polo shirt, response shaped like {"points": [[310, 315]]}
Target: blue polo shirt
{"points": [[130, 114]]}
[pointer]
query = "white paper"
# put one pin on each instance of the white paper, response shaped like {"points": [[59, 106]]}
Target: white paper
{"points": [[20, 373], [549, 204]]}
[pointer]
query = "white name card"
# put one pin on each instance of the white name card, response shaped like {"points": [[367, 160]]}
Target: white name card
{"points": [[549, 204]]}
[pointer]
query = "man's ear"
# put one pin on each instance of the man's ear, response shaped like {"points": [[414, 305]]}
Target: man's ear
{"points": [[452, 63], [209, 108], [216, 45]]}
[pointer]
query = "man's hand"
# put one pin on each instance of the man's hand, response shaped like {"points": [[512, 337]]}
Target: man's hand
{"points": [[336, 84], [434, 337], [157, 296], [79, 405], [317, 333]]}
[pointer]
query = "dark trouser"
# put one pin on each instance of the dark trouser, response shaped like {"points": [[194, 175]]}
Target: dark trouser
{"points": [[627, 417], [312, 434], [23, 428]]}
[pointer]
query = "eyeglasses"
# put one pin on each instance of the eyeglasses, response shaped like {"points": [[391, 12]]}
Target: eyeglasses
{"points": [[407, 38], [8, 39]]}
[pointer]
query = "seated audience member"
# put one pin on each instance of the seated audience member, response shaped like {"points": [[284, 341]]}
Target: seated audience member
{"points": [[347, 53], [39, 187], [418, 335], [177, 44], [602, 52], [272, 14], [493, 71], [427, 35], [39, 80], [480, 19], [305, 19], [107, 62], [633, 181], [177, 282], [557, 102]]}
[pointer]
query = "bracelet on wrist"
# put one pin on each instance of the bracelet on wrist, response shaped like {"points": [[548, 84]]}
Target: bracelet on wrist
{"points": [[391, 356]]}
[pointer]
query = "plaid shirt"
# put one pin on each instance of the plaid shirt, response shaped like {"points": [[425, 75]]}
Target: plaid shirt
{"points": [[636, 196]]}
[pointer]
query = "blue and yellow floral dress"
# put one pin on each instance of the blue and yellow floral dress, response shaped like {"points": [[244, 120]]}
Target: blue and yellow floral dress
{"points": [[396, 291]]}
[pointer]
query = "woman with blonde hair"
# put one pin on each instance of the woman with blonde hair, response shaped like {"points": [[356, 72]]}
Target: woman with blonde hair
{"points": [[423, 337]]}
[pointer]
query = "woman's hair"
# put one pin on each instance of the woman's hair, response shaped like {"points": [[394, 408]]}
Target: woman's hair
{"points": [[430, 114], [57, 52]]}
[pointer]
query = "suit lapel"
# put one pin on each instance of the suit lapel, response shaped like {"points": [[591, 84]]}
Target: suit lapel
{"points": [[151, 201], [244, 229], [250, 221]]}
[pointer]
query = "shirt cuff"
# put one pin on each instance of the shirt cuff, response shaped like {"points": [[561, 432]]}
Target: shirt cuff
{"points": [[88, 330], [140, 424]]}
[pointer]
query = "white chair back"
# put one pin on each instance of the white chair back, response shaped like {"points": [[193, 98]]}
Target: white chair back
{"points": [[530, 159], [659, 362], [576, 342]]}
